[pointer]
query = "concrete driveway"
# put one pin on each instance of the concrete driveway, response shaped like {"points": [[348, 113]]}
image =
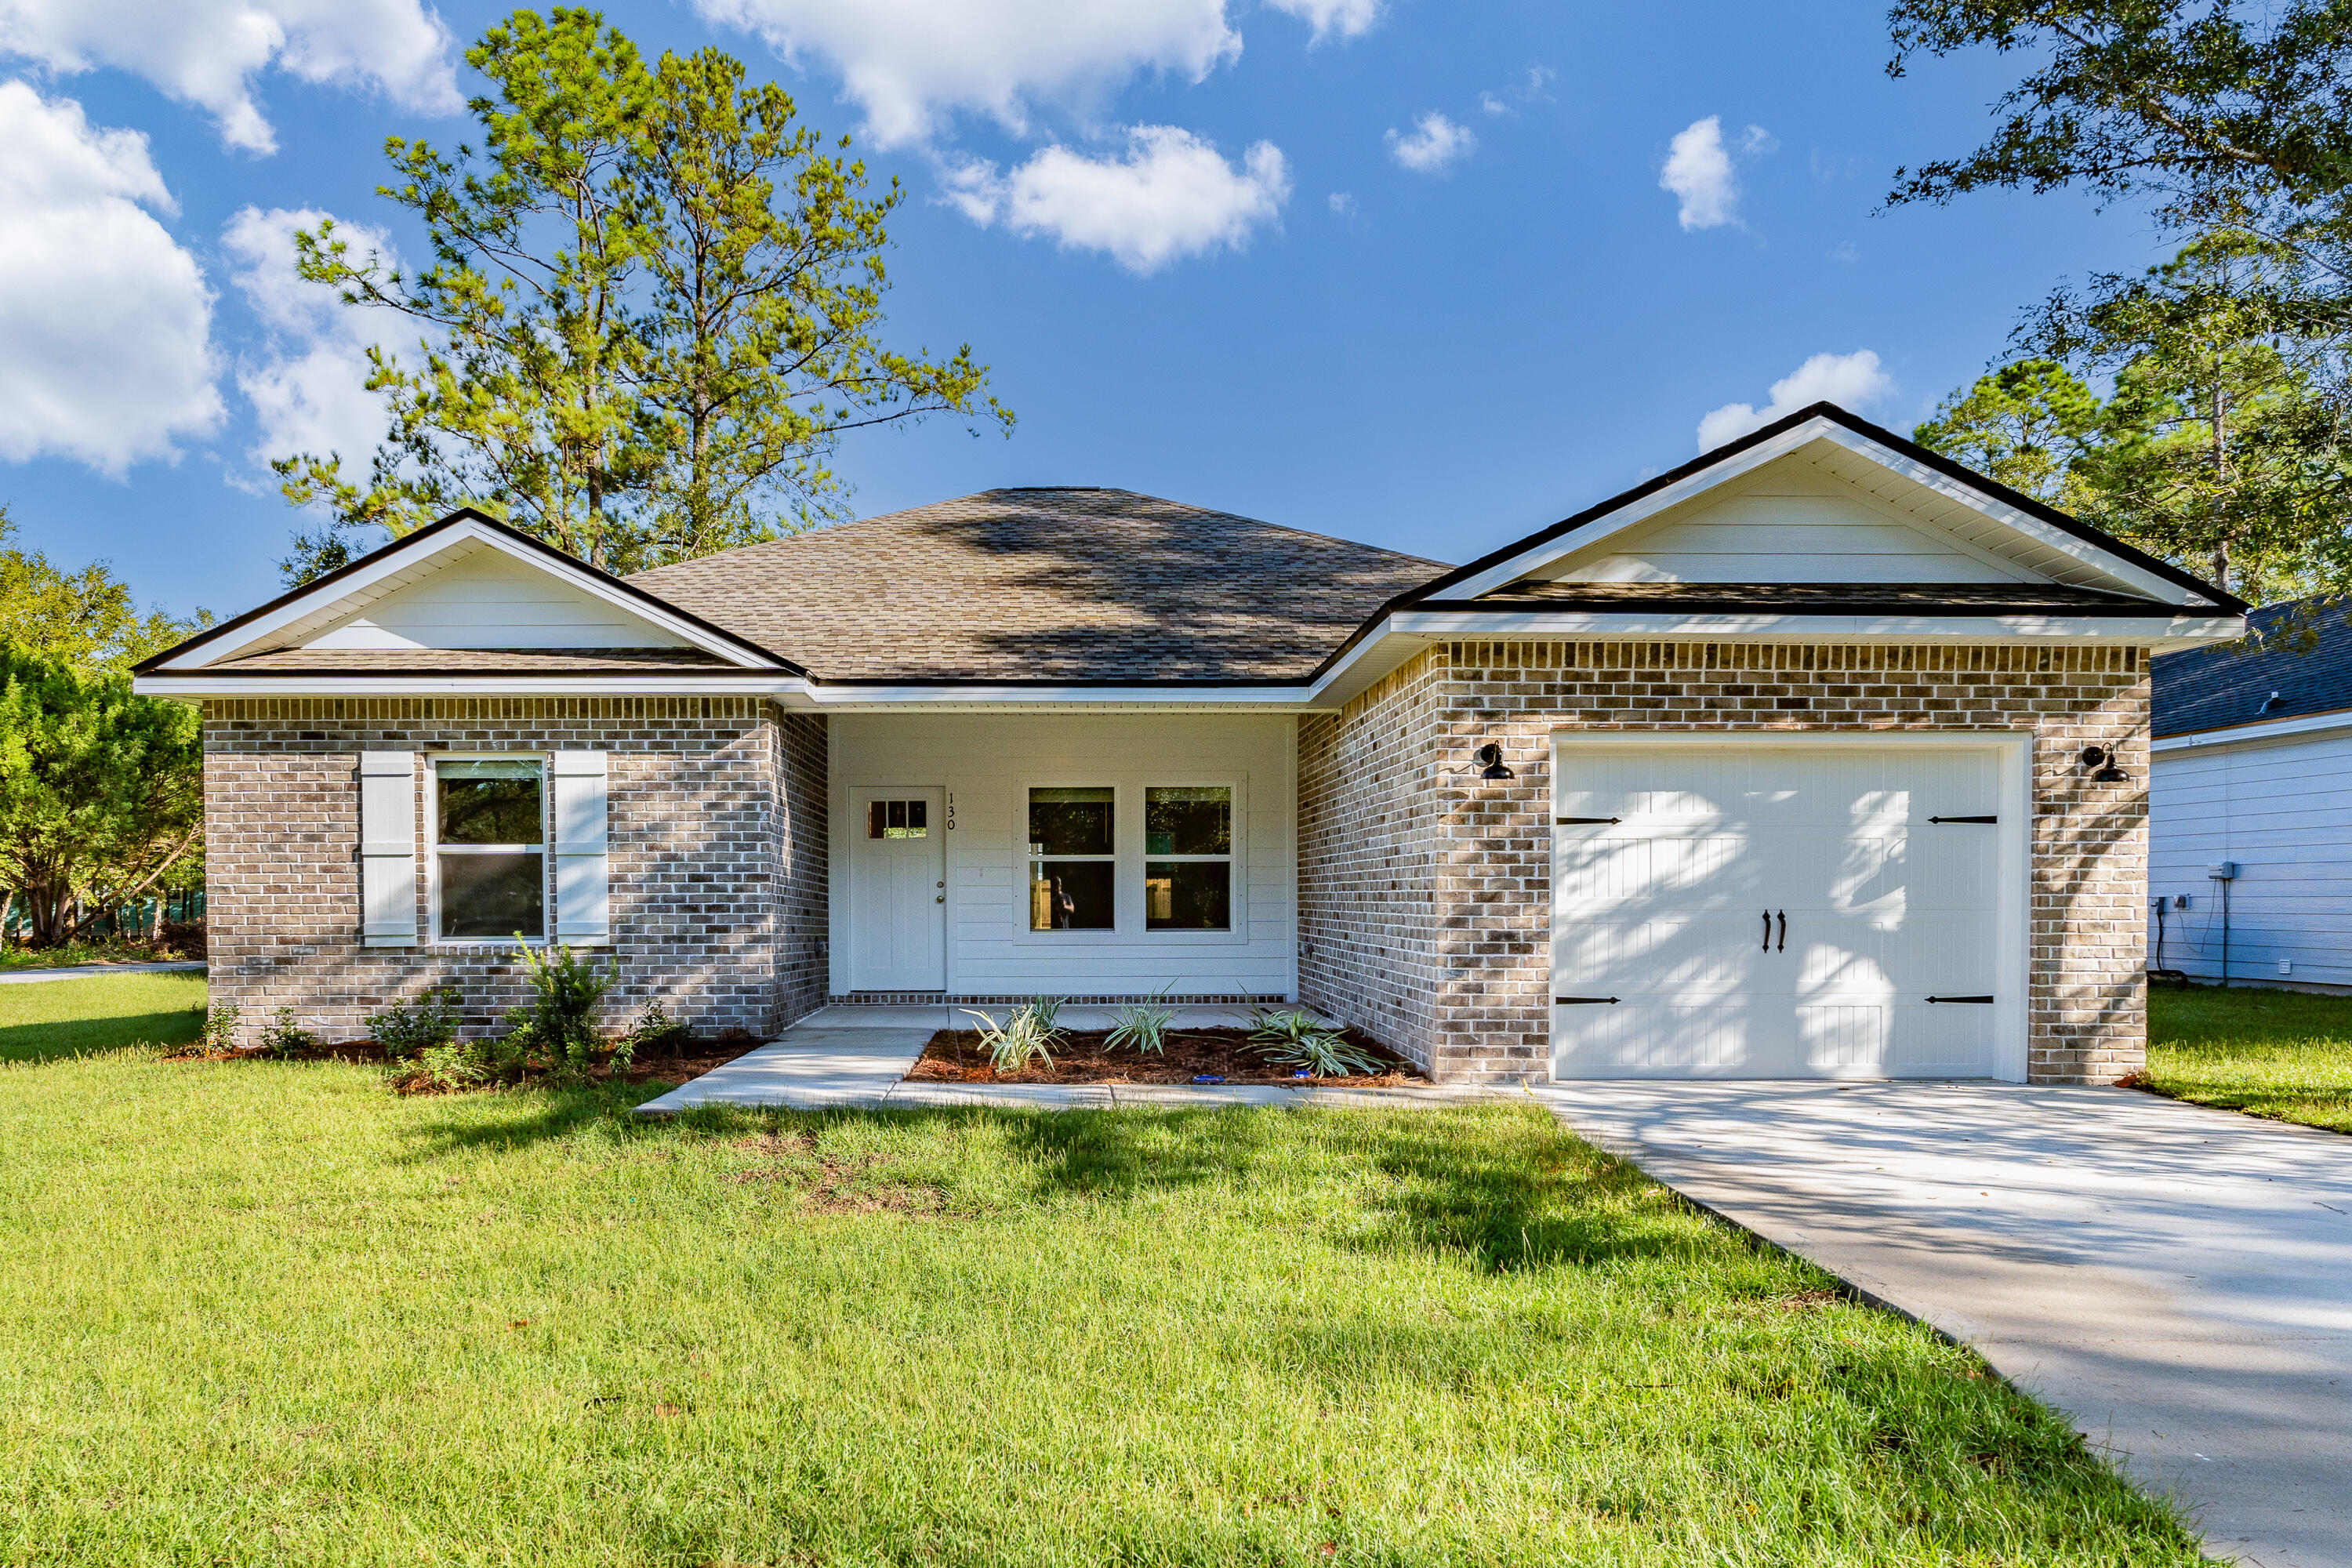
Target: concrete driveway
{"points": [[2179, 1281]]}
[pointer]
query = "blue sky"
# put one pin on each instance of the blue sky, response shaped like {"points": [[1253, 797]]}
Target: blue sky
{"points": [[1213, 249]]}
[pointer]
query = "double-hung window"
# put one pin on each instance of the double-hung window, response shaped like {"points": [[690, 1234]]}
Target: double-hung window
{"points": [[490, 849], [1073, 858], [1188, 846]]}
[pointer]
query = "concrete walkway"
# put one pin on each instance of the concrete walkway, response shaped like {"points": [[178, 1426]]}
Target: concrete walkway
{"points": [[2179, 1281], [841, 1056], [80, 971]]}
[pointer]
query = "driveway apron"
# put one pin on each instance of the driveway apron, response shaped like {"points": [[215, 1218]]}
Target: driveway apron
{"points": [[2178, 1280]]}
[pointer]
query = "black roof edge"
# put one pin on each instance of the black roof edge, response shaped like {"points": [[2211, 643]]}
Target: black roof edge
{"points": [[2228, 604], [463, 514]]}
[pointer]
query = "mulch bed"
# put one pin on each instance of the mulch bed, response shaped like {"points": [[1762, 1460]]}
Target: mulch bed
{"points": [[956, 1055], [696, 1058]]}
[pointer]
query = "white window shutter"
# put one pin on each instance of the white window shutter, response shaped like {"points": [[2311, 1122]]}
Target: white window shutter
{"points": [[580, 875], [388, 848]]}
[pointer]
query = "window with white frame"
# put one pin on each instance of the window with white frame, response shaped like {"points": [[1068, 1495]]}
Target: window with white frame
{"points": [[489, 848], [1188, 846], [1073, 858]]}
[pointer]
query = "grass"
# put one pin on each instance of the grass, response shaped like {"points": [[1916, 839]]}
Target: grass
{"points": [[2281, 1054], [13, 958], [267, 1313], [42, 1019]]}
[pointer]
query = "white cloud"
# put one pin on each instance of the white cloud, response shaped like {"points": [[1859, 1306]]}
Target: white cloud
{"points": [[1698, 172], [1349, 18], [105, 321], [308, 385], [909, 64], [1850, 380], [206, 52], [1539, 78], [1493, 105], [1342, 205], [1172, 195], [1435, 144]]}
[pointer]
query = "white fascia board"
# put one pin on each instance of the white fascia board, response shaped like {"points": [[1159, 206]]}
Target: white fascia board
{"points": [[392, 560], [1487, 626], [199, 685], [2138, 578], [915, 697], [2266, 730], [1576, 539]]}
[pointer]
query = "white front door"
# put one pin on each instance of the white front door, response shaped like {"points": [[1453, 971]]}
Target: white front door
{"points": [[898, 891], [1767, 911]]}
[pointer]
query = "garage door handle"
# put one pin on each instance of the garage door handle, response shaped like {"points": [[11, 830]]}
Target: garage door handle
{"points": [[1784, 933], [1768, 931], [1977, 999], [1582, 1001]]}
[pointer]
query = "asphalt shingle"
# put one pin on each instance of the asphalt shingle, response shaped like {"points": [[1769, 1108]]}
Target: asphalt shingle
{"points": [[2302, 651]]}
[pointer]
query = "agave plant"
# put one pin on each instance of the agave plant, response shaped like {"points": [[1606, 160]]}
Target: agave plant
{"points": [[1142, 1024], [1299, 1040], [1029, 1035]]}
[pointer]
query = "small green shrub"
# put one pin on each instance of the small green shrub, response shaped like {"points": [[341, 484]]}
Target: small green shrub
{"points": [[407, 1028], [1298, 1040], [220, 1027], [284, 1036], [1029, 1035], [559, 1025], [655, 1034], [1142, 1026]]}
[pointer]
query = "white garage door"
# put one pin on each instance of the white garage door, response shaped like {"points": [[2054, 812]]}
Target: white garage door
{"points": [[1767, 911]]}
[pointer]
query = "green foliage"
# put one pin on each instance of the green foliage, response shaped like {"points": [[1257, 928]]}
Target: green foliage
{"points": [[1142, 1026], [1029, 1035], [560, 1023], [101, 792], [220, 1026], [653, 308], [2223, 114], [86, 618], [2023, 423], [410, 1026], [1299, 1040], [283, 1036], [655, 1034]]}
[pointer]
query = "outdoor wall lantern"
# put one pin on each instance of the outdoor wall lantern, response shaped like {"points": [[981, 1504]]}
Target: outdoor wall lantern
{"points": [[2103, 760], [1491, 763]]}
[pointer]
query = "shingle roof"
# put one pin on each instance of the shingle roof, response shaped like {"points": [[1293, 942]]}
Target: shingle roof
{"points": [[479, 661], [1045, 585], [2213, 687], [1818, 598]]}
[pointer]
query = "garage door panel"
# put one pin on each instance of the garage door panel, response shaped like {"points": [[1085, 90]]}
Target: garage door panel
{"points": [[1638, 1039], [1664, 910]]}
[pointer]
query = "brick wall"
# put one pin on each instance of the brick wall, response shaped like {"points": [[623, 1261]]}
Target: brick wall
{"points": [[711, 873], [1367, 860], [1484, 981]]}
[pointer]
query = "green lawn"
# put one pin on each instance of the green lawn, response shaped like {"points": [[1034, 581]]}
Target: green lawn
{"points": [[41, 1019], [2281, 1054], [266, 1313]]}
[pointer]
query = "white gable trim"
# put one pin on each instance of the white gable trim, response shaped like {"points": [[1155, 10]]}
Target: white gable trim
{"points": [[2261, 731], [1717, 476], [403, 557]]}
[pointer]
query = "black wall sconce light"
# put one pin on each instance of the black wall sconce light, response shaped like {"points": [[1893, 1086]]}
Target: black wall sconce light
{"points": [[2104, 762], [1491, 764]]}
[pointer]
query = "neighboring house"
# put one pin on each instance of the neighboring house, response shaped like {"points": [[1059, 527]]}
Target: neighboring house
{"points": [[2251, 804], [1793, 762]]}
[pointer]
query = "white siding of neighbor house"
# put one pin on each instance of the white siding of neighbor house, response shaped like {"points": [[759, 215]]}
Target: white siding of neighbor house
{"points": [[2282, 810], [988, 762], [486, 599], [1793, 524]]}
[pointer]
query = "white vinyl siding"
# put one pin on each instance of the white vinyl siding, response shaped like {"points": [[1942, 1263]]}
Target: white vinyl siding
{"points": [[2283, 811], [388, 848], [485, 600], [986, 764], [583, 877]]}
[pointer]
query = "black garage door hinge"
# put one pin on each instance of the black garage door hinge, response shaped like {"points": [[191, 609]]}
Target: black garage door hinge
{"points": [[1578, 821], [1964, 819], [1980, 999], [1581, 1001]]}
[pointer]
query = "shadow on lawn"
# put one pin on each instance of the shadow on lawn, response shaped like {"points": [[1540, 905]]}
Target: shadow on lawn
{"points": [[51, 1041]]}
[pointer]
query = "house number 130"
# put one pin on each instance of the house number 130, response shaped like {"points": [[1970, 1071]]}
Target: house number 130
{"points": [[950, 813]]}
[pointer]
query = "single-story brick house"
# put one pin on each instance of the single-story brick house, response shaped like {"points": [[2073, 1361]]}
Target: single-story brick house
{"points": [[1819, 755]]}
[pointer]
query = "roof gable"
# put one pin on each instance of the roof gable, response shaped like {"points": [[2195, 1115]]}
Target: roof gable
{"points": [[467, 582], [1818, 497]]}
